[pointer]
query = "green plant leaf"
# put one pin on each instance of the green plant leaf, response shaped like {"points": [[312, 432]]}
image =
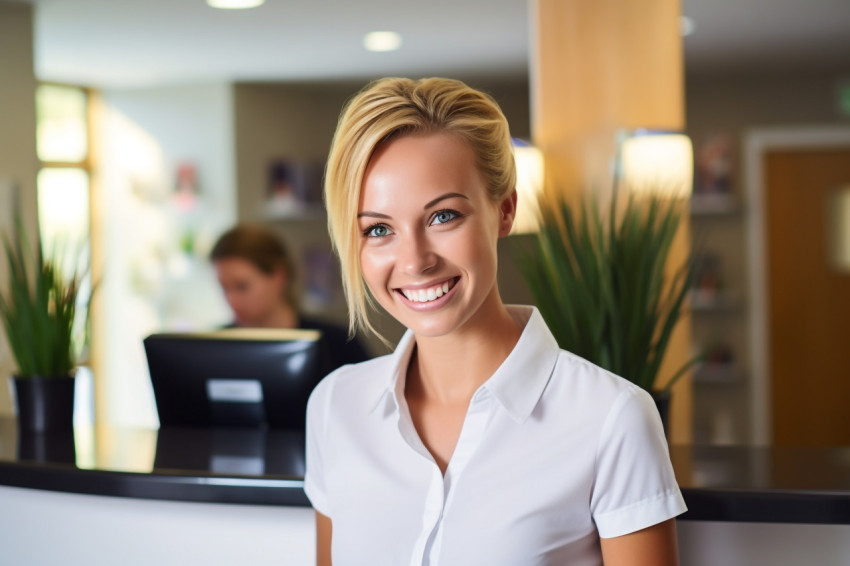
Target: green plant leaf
{"points": [[38, 307], [600, 282]]}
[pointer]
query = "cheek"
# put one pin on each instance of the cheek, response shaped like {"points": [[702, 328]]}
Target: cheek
{"points": [[239, 297], [475, 249], [375, 265], [269, 293]]}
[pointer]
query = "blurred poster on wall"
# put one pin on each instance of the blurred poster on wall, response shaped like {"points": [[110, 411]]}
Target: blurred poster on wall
{"points": [[294, 187], [320, 278], [714, 164]]}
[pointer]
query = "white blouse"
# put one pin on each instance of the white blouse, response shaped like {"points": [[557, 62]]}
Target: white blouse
{"points": [[553, 454]]}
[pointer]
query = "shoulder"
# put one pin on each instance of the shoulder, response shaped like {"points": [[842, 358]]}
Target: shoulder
{"points": [[593, 380], [327, 328], [353, 385], [598, 395], [343, 350]]}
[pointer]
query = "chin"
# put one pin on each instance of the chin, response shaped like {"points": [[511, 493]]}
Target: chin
{"points": [[432, 325]]}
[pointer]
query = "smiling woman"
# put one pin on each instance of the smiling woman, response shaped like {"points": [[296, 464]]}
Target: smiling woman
{"points": [[412, 251], [478, 441]]}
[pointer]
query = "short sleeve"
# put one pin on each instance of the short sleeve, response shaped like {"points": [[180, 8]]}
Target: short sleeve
{"points": [[314, 476], [635, 486]]}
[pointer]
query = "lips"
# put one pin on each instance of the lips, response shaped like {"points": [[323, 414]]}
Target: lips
{"points": [[428, 294]]}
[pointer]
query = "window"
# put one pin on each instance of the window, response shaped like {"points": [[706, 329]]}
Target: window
{"points": [[63, 184]]}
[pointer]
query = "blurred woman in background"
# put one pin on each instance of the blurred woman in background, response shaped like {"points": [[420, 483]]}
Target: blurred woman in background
{"points": [[256, 274]]}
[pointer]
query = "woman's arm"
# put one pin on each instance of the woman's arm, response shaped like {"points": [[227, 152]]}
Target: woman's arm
{"points": [[323, 540], [652, 546]]}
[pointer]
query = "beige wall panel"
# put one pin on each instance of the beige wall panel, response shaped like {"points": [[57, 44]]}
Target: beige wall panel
{"points": [[18, 162]]}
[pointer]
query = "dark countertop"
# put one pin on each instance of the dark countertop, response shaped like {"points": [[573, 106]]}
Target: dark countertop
{"points": [[764, 484], [249, 466]]}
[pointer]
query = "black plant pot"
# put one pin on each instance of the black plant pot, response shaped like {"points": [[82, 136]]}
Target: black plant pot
{"points": [[662, 403], [45, 404]]}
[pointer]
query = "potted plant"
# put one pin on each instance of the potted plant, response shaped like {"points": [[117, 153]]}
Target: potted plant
{"points": [[38, 307], [599, 282]]}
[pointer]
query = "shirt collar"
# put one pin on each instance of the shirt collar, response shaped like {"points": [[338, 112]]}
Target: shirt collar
{"points": [[392, 388], [519, 382]]}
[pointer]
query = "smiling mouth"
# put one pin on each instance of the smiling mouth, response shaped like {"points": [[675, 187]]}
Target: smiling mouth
{"points": [[429, 294]]}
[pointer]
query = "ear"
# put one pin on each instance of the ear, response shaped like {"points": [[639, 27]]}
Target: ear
{"points": [[507, 214], [281, 277]]}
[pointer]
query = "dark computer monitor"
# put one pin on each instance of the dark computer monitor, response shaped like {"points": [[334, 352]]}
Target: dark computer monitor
{"points": [[235, 377]]}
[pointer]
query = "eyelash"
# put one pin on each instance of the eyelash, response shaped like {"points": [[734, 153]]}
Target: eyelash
{"points": [[366, 232], [455, 215]]}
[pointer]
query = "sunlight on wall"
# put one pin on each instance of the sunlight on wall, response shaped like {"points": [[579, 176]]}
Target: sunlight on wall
{"points": [[156, 237]]}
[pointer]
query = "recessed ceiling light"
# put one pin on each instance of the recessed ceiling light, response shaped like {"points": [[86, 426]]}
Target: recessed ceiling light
{"points": [[686, 26], [235, 4], [382, 41]]}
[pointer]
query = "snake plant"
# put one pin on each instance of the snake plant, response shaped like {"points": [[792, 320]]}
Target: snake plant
{"points": [[38, 308], [599, 282]]}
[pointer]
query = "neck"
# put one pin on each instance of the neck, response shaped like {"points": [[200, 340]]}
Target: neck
{"points": [[449, 369], [283, 316]]}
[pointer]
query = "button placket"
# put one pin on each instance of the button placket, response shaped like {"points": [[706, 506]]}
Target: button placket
{"points": [[431, 518], [435, 496], [471, 435]]}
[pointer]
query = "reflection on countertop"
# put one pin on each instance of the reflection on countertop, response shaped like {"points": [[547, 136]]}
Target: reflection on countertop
{"points": [[234, 465], [240, 451]]}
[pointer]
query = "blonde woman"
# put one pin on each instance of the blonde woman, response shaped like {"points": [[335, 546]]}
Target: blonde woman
{"points": [[478, 441]]}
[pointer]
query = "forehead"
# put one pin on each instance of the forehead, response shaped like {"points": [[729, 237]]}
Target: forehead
{"points": [[235, 266], [421, 164]]}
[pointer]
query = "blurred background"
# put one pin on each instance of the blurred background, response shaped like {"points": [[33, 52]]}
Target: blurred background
{"points": [[160, 123]]}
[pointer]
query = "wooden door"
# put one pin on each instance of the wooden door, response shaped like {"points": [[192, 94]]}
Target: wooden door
{"points": [[809, 304]]}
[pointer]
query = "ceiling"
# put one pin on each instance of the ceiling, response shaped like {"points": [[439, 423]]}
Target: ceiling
{"points": [[122, 43]]}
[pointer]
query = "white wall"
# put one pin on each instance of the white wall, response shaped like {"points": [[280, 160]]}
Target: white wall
{"points": [[106, 531], [150, 283]]}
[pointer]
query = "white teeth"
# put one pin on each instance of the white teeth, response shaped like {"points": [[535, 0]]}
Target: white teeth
{"points": [[426, 295]]}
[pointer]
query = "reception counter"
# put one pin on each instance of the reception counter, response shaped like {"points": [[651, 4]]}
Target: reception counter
{"points": [[266, 467], [262, 470]]}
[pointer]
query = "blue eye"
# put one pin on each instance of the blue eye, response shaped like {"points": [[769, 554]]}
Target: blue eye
{"points": [[376, 231], [443, 216]]}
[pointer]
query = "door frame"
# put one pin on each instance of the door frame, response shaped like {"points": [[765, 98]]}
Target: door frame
{"points": [[757, 142]]}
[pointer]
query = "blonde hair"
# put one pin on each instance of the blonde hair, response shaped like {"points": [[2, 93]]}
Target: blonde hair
{"points": [[394, 107]]}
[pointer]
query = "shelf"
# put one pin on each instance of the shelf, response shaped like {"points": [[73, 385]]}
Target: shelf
{"points": [[712, 301], [714, 205], [287, 211], [717, 374]]}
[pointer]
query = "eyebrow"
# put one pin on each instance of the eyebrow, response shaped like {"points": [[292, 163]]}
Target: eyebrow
{"points": [[431, 203], [371, 214], [444, 197]]}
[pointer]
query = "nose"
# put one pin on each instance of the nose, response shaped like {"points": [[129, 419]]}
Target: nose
{"points": [[415, 254]]}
